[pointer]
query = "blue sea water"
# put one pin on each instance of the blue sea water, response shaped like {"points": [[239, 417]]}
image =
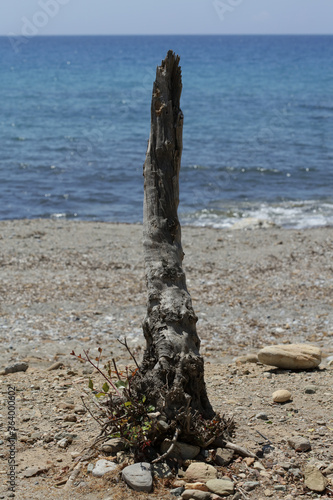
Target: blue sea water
{"points": [[258, 127]]}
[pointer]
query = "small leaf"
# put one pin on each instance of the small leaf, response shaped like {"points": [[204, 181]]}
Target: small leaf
{"points": [[100, 394], [106, 387], [144, 399], [73, 353], [128, 403], [120, 384], [91, 384], [100, 349]]}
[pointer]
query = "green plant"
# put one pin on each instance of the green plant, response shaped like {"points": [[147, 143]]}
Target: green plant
{"points": [[120, 413]]}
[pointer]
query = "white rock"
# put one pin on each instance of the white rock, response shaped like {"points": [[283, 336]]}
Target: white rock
{"points": [[102, 467], [138, 476], [291, 356], [281, 396]]}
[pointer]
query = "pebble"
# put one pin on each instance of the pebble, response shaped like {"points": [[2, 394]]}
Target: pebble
{"points": [[138, 476], [310, 389], [314, 479], [222, 487], [102, 467], [291, 357], [280, 487], [63, 443], [113, 446], [262, 416], [32, 471], [16, 367], [176, 492], [182, 451], [196, 495], [55, 366], [258, 466], [299, 443], [70, 418], [223, 456], [250, 485], [200, 472], [281, 396], [196, 486], [296, 472], [249, 461]]}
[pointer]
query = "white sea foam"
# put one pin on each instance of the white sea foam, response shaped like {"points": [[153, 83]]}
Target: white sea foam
{"points": [[296, 215]]}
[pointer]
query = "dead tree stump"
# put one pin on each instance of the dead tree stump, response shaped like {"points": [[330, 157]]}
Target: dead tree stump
{"points": [[172, 371]]}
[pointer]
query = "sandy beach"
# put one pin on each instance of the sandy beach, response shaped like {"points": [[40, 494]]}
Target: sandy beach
{"points": [[68, 285]]}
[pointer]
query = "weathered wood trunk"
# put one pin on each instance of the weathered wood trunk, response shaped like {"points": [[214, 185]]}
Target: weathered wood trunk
{"points": [[172, 372]]}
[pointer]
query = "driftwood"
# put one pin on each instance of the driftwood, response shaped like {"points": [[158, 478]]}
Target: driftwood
{"points": [[172, 371]]}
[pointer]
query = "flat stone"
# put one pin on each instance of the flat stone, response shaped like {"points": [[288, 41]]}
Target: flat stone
{"points": [[314, 479], [223, 456], [16, 367], [138, 476], [33, 471], [113, 446], [183, 451], [196, 495], [258, 466], [291, 356], [310, 389], [222, 487], [196, 486], [55, 366], [250, 485], [70, 418], [200, 472], [281, 396], [299, 443], [247, 358], [102, 467]]}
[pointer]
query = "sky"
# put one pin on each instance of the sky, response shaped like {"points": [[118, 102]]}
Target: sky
{"points": [[126, 17]]}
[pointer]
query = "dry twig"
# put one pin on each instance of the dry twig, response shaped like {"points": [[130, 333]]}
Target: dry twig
{"points": [[169, 451]]}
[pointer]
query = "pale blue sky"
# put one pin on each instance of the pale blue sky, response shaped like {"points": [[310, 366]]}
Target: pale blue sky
{"points": [[113, 17]]}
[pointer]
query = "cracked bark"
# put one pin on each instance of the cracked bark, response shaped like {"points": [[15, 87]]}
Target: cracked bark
{"points": [[172, 371]]}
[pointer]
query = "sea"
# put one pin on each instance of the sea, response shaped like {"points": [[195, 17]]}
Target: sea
{"points": [[258, 127]]}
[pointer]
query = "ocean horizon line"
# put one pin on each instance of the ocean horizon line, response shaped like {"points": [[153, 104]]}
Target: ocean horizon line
{"points": [[58, 35]]}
